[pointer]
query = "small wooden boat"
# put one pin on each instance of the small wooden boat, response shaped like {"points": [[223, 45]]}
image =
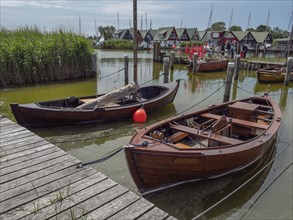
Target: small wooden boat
{"points": [[75, 110], [210, 65], [272, 74], [205, 144]]}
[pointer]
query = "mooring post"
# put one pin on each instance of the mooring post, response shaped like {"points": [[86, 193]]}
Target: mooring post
{"points": [[228, 81], [172, 60], [126, 70], [94, 62], [237, 65], [194, 62], [288, 71], [155, 51], [166, 69]]}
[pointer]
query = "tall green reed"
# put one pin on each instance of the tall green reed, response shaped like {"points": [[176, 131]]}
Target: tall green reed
{"points": [[28, 56]]}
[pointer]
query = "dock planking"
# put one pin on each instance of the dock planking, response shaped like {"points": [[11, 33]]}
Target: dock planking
{"points": [[40, 181]]}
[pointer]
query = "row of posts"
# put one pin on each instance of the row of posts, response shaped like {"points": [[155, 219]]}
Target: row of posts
{"points": [[232, 69]]}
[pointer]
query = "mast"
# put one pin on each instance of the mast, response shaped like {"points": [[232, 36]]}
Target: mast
{"points": [[231, 17], [248, 23], [268, 19], [79, 24], [146, 21], [210, 18], [290, 36], [118, 20], [135, 41]]}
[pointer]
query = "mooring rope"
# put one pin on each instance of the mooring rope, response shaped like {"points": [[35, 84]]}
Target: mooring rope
{"points": [[201, 101], [111, 73], [243, 184]]}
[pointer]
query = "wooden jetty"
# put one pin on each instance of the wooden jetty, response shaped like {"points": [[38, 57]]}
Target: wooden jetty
{"points": [[40, 181]]}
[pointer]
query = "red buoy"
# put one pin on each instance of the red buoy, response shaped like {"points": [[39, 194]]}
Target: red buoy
{"points": [[140, 115]]}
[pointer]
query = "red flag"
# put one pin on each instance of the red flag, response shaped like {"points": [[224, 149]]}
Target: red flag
{"points": [[192, 49], [186, 49], [196, 48]]}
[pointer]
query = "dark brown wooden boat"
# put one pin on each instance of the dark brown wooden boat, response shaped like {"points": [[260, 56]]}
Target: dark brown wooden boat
{"points": [[211, 65], [68, 111], [205, 144], [272, 75]]}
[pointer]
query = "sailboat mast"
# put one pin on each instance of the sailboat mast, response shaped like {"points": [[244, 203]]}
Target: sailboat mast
{"points": [[290, 36], [231, 17], [118, 21], [268, 19], [135, 42]]}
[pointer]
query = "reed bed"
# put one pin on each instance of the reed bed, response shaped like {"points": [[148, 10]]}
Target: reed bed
{"points": [[117, 44], [28, 56]]}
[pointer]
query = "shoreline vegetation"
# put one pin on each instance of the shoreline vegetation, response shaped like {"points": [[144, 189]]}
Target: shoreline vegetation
{"points": [[29, 57]]}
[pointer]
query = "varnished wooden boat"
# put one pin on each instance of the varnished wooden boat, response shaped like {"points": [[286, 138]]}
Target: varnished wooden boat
{"points": [[67, 112], [272, 75], [211, 65], [205, 144]]}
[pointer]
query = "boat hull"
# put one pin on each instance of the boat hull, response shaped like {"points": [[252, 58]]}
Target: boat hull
{"points": [[272, 76], [35, 115], [211, 66], [162, 165]]}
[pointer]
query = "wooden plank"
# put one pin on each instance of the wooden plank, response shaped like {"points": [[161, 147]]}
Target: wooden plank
{"points": [[37, 175], [114, 206], [10, 131], [50, 193], [132, 212], [212, 136], [28, 157], [50, 204], [82, 209], [35, 184], [237, 121], [76, 195], [6, 158], [33, 162], [32, 169], [21, 141], [17, 136], [154, 214], [15, 150]]}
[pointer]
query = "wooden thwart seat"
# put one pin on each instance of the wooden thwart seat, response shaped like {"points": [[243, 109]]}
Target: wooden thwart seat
{"points": [[214, 137], [237, 121]]}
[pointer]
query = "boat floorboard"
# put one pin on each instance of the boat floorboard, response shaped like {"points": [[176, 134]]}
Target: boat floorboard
{"points": [[40, 181]]}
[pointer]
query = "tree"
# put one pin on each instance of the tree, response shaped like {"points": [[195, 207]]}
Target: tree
{"points": [[235, 28], [218, 26], [250, 29], [108, 32], [262, 28]]}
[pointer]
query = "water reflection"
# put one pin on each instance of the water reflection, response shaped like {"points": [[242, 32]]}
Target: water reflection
{"points": [[90, 142]]}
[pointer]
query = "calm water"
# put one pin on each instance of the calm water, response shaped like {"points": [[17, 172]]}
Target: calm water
{"points": [[262, 198]]}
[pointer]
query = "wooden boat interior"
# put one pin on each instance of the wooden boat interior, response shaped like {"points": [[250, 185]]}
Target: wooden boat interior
{"points": [[144, 94], [217, 127]]}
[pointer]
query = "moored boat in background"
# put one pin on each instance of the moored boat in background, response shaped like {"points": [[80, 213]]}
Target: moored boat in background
{"points": [[272, 75]]}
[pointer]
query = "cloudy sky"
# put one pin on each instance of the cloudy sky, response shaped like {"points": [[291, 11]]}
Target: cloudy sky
{"points": [[54, 14]]}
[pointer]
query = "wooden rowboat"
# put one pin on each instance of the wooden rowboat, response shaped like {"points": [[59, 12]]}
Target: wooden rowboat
{"points": [[272, 74], [68, 111], [205, 144], [211, 65]]}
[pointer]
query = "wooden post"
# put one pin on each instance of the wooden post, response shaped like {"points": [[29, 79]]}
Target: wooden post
{"points": [[166, 69], [172, 60], [94, 62], [288, 71], [228, 81], [126, 81], [237, 65], [194, 62], [135, 41]]}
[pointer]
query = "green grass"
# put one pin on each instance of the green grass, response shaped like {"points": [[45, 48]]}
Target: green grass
{"points": [[28, 56], [117, 44]]}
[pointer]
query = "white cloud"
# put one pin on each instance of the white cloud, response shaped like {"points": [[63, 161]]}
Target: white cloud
{"points": [[35, 3]]}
